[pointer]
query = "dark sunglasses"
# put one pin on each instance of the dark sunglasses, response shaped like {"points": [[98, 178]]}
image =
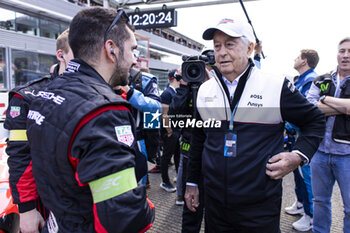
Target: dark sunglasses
{"points": [[121, 12]]}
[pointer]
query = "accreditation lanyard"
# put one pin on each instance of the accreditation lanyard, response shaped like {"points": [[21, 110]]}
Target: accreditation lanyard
{"points": [[230, 149]]}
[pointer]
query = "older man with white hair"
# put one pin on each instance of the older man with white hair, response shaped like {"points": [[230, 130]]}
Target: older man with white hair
{"points": [[243, 162]]}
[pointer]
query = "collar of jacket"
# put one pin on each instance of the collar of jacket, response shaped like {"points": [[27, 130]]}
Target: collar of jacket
{"points": [[79, 65], [219, 75], [55, 71], [303, 75]]}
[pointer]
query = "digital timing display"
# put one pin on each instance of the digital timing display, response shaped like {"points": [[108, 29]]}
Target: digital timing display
{"points": [[153, 19]]}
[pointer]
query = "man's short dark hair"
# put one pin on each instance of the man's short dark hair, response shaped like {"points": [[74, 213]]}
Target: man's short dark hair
{"points": [[311, 57], [87, 29]]}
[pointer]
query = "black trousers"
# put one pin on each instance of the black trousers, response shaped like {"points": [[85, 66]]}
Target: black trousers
{"points": [[191, 221], [170, 147], [258, 218], [152, 141]]}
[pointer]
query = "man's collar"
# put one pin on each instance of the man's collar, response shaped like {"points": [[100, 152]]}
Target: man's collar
{"points": [[306, 72], [172, 87], [239, 76], [234, 81]]}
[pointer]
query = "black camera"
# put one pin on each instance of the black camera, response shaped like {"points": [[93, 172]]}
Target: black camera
{"points": [[193, 67]]}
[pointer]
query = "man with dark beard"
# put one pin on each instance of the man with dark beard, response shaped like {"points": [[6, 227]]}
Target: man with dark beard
{"points": [[82, 133]]}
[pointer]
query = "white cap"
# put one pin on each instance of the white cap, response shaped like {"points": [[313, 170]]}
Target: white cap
{"points": [[233, 28]]}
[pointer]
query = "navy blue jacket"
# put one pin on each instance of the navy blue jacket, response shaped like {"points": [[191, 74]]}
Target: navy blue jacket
{"points": [[265, 104]]}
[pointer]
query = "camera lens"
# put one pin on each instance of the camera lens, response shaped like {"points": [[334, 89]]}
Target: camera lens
{"points": [[193, 71]]}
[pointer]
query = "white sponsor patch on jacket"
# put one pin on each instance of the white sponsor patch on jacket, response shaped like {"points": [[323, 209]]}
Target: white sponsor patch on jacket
{"points": [[124, 134]]}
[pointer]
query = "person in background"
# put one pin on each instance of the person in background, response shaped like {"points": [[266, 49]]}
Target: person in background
{"points": [[331, 93], [257, 52], [152, 136], [22, 183], [182, 105], [305, 64], [83, 137], [142, 93], [242, 159], [170, 135]]}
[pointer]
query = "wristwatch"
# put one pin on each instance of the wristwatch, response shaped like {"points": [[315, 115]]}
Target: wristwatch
{"points": [[303, 160], [322, 99]]}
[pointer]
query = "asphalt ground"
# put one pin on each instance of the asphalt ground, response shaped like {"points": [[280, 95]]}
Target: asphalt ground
{"points": [[169, 216]]}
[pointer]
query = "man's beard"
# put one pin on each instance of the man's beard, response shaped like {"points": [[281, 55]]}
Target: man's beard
{"points": [[120, 77]]}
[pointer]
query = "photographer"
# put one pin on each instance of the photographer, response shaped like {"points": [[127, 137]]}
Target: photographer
{"points": [[182, 105]]}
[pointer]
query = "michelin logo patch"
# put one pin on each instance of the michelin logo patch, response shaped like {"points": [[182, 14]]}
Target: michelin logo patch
{"points": [[124, 134], [151, 120]]}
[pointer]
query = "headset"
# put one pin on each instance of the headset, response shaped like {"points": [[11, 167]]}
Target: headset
{"points": [[61, 56], [111, 51]]}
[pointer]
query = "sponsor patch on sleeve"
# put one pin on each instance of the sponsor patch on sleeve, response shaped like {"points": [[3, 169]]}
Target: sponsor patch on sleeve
{"points": [[15, 111], [124, 134]]}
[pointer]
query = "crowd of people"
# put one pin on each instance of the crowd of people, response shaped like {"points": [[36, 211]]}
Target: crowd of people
{"points": [[79, 152]]}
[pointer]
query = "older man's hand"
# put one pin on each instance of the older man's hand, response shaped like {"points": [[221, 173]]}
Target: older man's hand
{"points": [[281, 164], [192, 197]]}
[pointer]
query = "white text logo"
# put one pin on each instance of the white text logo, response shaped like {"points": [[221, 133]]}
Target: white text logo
{"points": [[47, 95], [36, 116]]}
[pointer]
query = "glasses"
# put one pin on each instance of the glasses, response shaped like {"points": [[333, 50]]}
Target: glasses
{"points": [[121, 12]]}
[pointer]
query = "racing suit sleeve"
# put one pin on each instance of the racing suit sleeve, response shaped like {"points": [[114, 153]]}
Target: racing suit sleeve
{"points": [[144, 103], [105, 149], [296, 109], [21, 179], [151, 89]]}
